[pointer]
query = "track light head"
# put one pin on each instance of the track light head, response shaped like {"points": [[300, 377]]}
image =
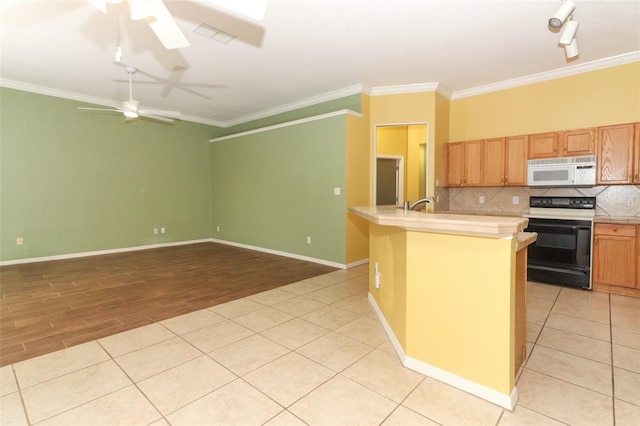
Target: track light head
{"points": [[566, 8], [569, 32], [571, 50]]}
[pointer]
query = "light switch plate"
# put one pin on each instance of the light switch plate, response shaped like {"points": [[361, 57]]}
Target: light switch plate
{"points": [[336, 191]]}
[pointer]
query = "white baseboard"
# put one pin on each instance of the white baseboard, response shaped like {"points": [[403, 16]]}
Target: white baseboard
{"points": [[282, 253], [180, 243], [459, 382], [99, 252], [357, 263]]}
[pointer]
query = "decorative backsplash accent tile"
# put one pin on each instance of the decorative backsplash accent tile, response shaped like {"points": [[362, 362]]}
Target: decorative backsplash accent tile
{"points": [[619, 201], [614, 200]]}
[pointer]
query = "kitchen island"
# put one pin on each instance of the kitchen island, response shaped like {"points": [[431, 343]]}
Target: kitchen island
{"points": [[450, 291]]}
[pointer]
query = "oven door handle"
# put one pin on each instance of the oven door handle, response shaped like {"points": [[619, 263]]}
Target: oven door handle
{"points": [[542, 225]]}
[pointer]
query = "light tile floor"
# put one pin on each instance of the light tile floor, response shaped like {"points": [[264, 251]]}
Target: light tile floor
{"points": [[313, 352]]}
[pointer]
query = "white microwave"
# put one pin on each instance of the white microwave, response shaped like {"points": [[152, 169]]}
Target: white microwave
{"points": [[566, 171]]}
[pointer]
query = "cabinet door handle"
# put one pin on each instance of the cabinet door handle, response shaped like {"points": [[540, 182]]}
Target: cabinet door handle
{"points": [[506, 179]]}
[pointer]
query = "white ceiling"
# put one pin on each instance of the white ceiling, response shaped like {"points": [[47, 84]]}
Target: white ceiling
{"points": [[303, 50]]}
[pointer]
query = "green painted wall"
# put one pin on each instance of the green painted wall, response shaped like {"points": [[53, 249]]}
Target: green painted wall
{"points": [[74, 181], [352, 103], [274, 188]]}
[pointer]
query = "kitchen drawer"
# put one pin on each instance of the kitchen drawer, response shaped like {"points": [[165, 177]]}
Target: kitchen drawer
{"points": [[615, 229]]}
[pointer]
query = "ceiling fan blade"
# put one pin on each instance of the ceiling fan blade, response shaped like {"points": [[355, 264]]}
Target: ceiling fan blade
{"points": [[166, 28], [172, 114], [100, 109], [157, 117], [251, 8]]}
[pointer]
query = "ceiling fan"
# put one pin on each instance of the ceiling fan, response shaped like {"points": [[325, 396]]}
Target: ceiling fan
{"points": [[165, 27], [130, 107]]}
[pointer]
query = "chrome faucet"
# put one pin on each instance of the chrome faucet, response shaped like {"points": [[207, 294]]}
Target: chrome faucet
{"points": [[412, 206]]}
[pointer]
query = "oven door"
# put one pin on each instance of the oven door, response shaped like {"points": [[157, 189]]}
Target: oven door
{"points": [[562, 252]]}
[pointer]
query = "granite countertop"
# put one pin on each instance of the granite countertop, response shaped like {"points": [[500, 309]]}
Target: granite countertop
{"points": [[483, 213], [489, 226], [621, 220], [525, 239]]}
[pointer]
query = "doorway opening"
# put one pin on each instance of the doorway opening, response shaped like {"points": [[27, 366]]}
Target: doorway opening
{"points": [[389, 180], [410, 179]]}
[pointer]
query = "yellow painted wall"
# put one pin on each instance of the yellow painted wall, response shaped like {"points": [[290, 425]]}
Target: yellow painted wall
{"points": [[392, 141], [387, 248], [443, 107], [405, 141], [414, 179], [408, 108], [357, 190], [460, 306], [596, 98]]}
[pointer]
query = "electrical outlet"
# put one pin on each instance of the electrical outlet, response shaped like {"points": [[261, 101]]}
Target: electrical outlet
{"points": [[516, 200], [19, 241], [155, 231], [481, 199], [217, 228], [630, 201], [163, 230], [336, 191], [308, 240]]}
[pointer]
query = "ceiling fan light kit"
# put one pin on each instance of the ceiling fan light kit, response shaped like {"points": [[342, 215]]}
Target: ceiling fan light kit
{"points": [[130, 108], [563, 16]]}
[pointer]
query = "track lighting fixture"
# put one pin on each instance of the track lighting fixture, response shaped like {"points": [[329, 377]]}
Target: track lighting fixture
{"points": [[563, 16], [566, 8], [571, 50], [569, 32]]}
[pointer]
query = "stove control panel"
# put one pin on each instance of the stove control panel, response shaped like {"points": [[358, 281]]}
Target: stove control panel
{"points": [[582, 203]]}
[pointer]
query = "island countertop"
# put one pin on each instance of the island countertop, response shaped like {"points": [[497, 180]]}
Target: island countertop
{"points": [[488, 226]]}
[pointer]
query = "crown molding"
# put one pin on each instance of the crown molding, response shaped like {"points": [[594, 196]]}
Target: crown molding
{"points": [[288, 124], [330, 96], [411, 88], [355, 89], [403, 88], [18, 85], [613, 61]]}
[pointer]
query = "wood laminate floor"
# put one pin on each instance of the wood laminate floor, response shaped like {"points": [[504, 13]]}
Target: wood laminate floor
{"points": [[53, 305]]}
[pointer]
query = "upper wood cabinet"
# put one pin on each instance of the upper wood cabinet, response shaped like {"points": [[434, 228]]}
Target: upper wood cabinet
{"points": [[516, 161], [580, 142], [493, 162], [615, 154], [544, 145], [473, 162], [454, 158], [636, 156], [464, 163], [505, 161]]}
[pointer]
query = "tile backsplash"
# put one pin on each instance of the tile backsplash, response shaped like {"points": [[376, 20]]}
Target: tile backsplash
{"points": [[614, 200]]}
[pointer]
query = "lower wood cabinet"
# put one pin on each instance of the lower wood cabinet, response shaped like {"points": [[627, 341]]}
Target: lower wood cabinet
{"points": [[615, 256]]}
